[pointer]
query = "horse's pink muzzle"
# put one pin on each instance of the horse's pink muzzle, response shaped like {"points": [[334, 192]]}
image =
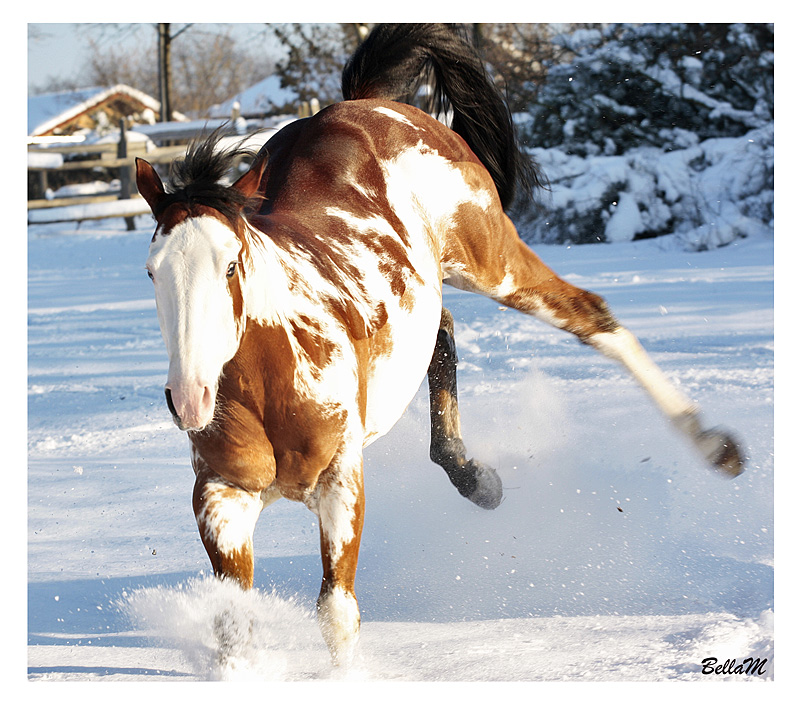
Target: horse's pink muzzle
{"points": [[192, 408]]}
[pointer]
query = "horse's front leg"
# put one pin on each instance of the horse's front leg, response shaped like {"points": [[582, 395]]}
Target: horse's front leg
{"points": [[338, 501], [226, 517]]}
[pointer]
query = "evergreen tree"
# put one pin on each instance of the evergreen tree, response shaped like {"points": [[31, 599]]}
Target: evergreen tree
{"points": [[656, 129], [315, 56], [650, 84]]}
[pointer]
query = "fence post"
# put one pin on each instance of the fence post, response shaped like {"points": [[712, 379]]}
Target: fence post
{"points": [[125, 172]]}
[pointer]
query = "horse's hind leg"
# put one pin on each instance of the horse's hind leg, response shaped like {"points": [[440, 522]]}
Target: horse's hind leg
{"points": [[473, 480], [512, 274]]}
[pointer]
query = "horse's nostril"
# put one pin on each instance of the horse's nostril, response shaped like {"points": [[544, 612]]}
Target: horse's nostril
{"points": [[168, 394]]}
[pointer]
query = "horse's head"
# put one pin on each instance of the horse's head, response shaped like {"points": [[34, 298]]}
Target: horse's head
{"points": [[196, 264]]}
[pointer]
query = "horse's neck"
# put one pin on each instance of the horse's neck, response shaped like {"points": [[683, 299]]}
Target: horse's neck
{"points": [[267, 289]]}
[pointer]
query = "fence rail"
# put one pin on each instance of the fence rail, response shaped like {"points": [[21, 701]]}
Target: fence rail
{"points": [[48, 160], [159, 154]]}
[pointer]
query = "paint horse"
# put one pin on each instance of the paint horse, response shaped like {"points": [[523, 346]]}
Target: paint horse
{"points": [[301, 305]]}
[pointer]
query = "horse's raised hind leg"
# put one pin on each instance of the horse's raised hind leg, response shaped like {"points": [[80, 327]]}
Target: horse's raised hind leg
{"points": [[716, 445], [338, 501], [475, 481], [512, 274], [533, 288]]}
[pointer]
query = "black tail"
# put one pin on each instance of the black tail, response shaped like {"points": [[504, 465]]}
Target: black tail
{"points": [[389, 64]]}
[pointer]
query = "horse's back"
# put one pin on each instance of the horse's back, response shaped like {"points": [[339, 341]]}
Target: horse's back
{"points": [[350, 144], [379, 159]]}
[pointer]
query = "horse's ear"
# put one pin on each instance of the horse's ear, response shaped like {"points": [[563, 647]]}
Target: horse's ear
{"points": [[249, 182], [149, 183]]}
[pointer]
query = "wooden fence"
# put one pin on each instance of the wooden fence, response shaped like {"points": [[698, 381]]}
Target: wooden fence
{"points": [[44, 161]]}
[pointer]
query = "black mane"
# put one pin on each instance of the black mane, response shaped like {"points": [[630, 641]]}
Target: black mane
{"points": [[202, 177]]}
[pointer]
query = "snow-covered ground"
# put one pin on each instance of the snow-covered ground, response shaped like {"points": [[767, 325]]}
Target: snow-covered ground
{"points": [[615, 555]]}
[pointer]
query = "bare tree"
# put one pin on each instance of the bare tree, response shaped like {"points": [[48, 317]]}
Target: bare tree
{"points": [[195, 65], [210, 66], [166, 35], [112, 62]]}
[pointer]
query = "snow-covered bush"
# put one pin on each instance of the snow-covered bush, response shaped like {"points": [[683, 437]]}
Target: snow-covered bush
{"points": [[656, 129], [650, 84], [708, 194]]}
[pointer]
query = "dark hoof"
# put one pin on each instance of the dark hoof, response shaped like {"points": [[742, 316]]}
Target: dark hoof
{"points": [[488, 492], [721, 451], [233, 634]]}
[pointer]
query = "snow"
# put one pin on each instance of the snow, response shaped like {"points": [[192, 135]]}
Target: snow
{"points": [[45, 160], [263, 98], [615, 556], [708, 193], [625, 221], [85, 211]]}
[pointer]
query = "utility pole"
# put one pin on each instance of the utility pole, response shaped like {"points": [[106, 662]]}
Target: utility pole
{"points": [[164, 71]]}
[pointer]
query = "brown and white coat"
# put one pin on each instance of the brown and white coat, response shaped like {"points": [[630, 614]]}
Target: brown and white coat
{"points": [[301, 314]]}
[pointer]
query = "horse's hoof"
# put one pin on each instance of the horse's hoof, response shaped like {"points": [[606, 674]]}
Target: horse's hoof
{"points": [[488, 492], [721, 451], [233, 634]]}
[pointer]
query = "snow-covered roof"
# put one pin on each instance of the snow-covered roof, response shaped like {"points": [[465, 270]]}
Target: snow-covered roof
{"points": [[49, 110], [263, 98], [178, 130]]}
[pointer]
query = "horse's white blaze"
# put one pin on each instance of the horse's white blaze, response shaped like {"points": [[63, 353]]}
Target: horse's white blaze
{"points": [[195, 311]]}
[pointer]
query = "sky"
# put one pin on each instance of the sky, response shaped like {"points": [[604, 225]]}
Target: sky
{"points": [[58, 50], [54, 50]]}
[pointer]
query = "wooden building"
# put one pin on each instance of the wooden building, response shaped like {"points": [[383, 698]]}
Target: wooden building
{"points": [[65, 113]]}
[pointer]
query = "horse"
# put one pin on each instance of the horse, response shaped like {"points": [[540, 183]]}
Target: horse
{"points": [[300, 301]]}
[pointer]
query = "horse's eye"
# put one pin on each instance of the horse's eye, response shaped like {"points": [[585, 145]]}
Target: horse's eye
{"points": [[231, 270], [150, 274]]}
